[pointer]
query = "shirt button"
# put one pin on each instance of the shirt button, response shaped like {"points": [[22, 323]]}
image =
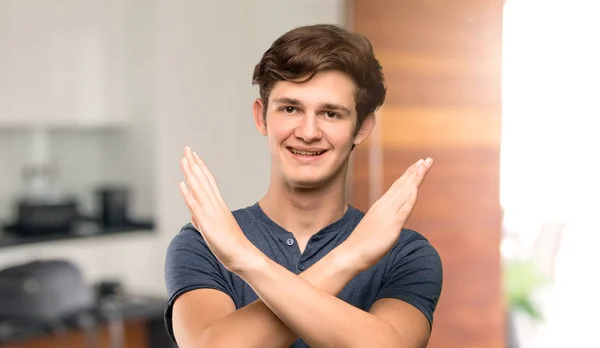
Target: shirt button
{"points": [[289, 241], [301, 268]]}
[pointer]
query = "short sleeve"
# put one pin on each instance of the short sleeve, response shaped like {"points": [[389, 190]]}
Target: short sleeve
{"points": [[414, 275], [190, 265]]}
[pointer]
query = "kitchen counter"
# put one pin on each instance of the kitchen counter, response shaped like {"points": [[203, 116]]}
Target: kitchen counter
{"points": [[9, 238]]}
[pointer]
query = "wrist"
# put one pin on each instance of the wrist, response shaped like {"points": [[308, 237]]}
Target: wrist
{"points": [[347, 259], [360, 250], [248, 260]]}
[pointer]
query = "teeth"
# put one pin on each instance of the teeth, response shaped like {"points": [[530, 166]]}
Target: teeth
{"points": [[306, 153]]}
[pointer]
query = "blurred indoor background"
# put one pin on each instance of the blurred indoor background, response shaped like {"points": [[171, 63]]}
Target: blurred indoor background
{"points": [[98, 98]]}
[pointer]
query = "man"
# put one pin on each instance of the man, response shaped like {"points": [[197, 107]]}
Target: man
{"points": [[302, 267]]}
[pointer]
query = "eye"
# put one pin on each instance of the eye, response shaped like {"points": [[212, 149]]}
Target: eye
{"points": [[331, 114], [289, 109]]}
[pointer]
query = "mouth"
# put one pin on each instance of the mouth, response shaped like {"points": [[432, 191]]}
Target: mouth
{"points": [[306, 153]]}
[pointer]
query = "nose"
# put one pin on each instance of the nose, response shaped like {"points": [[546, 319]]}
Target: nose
{"points": [[308, 128]]}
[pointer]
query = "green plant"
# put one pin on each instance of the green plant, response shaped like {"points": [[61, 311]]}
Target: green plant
{"points": [[521, 279]]}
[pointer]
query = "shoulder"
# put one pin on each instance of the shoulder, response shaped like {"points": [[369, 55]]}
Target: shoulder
{"points": [[412, 243], [187, 250], [243, 215], [190, 264], [409, 246], [189, 237], [411, 251], [414, 260], [413, 273], [186, 246], [413, 255]]}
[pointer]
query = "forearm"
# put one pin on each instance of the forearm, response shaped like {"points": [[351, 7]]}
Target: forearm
{"points": [[256, 325], [320, 319]]}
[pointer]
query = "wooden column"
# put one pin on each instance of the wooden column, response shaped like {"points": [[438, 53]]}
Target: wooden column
{"points": [[442, 63]]}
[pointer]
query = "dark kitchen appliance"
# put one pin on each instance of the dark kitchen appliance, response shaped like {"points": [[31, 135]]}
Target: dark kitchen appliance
{"points": [[44, 207], [113, 202], [38, 217]]}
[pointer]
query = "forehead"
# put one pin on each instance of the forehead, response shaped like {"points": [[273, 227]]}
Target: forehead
{"points": [[331, 87]]}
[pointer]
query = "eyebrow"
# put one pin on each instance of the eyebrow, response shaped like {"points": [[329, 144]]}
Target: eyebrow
{"points": [[328, 106]]}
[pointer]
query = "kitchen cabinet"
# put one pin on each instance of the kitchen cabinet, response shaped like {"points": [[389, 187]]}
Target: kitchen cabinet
{"points": [[63, 64]]}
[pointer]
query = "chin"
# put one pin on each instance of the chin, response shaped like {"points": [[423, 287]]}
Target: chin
{"points": [[308, 181], [311, 177], [305, 184]]}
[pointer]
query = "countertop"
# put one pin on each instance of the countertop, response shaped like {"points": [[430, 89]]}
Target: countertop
{"points": [[9, 238]]}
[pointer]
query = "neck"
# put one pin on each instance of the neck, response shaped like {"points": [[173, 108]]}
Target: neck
{"points": [[305, 211]]}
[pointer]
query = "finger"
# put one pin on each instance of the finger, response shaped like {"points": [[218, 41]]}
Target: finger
{"points": [[211, 179], [401, 194], [411, 181], [193, 183], [196, 168], [422, 171], [191, 203], [204, 176], [409, 204], [416, 173], [406, 197], [408, 174], [189, 199]]}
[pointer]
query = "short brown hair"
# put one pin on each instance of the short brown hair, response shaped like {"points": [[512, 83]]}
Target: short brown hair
{"points": [[303, 52]]}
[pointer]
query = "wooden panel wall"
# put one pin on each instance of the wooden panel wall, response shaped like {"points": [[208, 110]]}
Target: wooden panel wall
{"points": [[442, 62]]}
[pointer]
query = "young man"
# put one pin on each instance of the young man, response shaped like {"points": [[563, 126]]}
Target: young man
{"points": [[302, 267]]}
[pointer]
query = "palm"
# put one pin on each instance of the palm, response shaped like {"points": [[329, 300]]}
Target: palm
{"points": [[210, 215], [386, 218]]}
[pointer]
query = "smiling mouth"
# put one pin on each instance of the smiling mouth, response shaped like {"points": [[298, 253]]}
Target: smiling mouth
{"points": [[306, 153]]}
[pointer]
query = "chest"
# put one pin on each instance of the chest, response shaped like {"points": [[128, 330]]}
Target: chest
{"points": [[360, 291]]}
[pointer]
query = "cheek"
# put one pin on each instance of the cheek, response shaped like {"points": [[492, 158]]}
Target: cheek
{"points": [[340, 137], [276, 134], [278, 131]]}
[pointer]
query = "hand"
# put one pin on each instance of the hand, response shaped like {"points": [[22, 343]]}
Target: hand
{"points": [[380, 228], [211, 216]]}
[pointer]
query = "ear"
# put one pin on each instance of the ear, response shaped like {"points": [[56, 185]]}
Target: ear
{"points": [[259, 119], [365, 129]]}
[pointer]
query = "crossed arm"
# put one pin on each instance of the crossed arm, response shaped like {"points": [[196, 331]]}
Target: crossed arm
{"points": [[293, 306]]}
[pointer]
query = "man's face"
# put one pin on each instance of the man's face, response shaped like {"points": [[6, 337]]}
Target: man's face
{"points": [[311, 128]]}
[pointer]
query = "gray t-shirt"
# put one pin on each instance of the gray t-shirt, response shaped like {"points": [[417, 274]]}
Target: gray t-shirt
{"points": [[411, 271]]}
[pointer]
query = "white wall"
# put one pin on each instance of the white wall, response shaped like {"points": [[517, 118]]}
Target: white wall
{"points": [[206, 58], [91, 157], [85, 157], [192, 65]]}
